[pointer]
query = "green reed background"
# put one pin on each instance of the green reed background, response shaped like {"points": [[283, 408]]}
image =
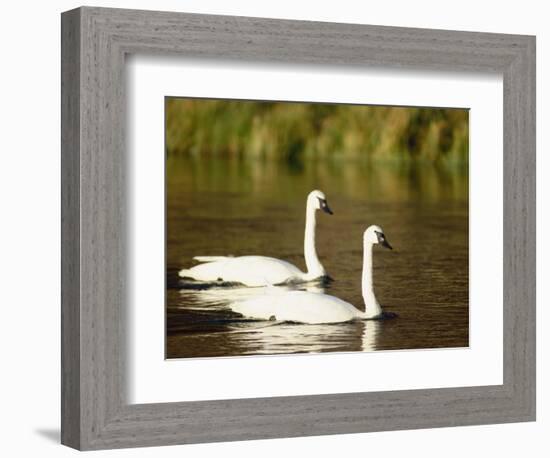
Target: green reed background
{"points": [[296, 131]]}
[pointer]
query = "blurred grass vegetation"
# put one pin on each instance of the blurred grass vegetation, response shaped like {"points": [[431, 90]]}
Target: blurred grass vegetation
{"points": [[297, 131]]}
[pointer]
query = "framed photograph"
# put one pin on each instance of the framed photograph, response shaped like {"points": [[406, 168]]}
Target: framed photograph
{"points": [[337, 221], [246, 174]]}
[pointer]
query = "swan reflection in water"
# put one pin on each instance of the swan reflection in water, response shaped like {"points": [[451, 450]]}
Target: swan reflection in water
{"points": [[258, 337], [221, 296], [284, 337]]}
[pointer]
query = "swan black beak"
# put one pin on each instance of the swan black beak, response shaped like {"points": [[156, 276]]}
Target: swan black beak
{"points": [[382, 240], [324, 206], [386, 244]]}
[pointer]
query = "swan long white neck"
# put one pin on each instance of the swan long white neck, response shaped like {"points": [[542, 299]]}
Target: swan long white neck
{"points": [[372, 307], [314, 267]]}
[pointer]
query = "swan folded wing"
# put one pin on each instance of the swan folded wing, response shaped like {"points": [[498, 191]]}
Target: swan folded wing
{"points": [[297, 306], [259, 308], [262, 270], [248, 270], [209, 271]]}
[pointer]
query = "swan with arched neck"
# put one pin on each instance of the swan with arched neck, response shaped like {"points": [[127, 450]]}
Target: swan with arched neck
{"points": [[317, 308], [263, 270]]}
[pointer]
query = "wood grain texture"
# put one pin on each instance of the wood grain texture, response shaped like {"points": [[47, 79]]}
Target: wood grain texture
{"points": [[95, 413], [70, 229]]}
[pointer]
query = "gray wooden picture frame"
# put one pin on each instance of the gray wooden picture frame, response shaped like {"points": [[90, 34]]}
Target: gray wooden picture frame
{"points": [[95, 412]]}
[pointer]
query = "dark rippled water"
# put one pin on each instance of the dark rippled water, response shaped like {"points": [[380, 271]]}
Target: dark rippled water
{"points": [[218, 207]]}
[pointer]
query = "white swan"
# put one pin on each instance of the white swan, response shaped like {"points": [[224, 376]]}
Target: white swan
{"points": [[262, 270], [316, 308]]}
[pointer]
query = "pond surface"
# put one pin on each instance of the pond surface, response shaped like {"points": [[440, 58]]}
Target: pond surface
{"points": [[229, 206]]}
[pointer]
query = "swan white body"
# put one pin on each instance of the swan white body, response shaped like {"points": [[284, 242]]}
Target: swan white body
{"points": [[300, 307], [263, 270], [315, 308]]}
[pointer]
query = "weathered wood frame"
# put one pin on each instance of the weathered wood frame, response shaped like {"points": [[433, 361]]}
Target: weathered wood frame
{"points": [[95, 41]]}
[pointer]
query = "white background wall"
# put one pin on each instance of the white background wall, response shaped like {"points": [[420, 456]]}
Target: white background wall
{"points": [[29, 229]]}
